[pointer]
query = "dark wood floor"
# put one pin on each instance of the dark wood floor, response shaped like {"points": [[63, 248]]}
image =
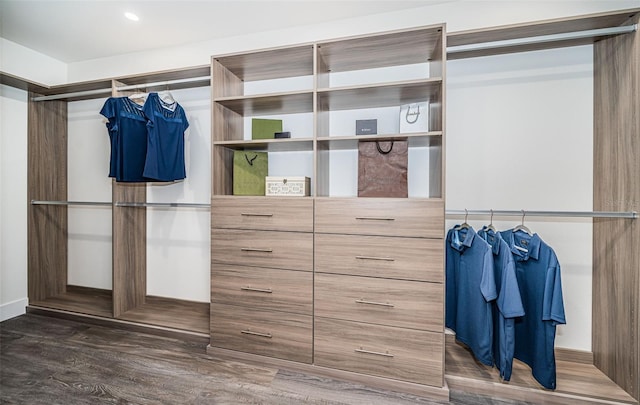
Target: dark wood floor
{"points": [[45, 360]]}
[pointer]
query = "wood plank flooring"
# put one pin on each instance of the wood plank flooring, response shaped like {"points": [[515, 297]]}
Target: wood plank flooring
{"points": [[576, 383], [46, 360]]}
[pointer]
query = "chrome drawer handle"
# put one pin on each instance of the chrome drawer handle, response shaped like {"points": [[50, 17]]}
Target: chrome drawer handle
{"points": [[386, 259], [250, 332], [256, 250], [252, 214], [361, 350], [384, 304], [375, 219], [262, 290]]}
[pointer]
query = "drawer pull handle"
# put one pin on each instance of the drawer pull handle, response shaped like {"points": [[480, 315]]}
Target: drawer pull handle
{"points": [[375, 219], [361, 350], [256, 250], [252, 214], [262, 290], [250, 332], [386, 259], [384, 304]]}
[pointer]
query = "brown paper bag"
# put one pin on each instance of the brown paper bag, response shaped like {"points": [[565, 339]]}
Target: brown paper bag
{"points": [[382, 168]]}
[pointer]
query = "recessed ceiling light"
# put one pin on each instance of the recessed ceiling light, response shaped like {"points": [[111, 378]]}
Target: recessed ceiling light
{"points": [[131, 16]]}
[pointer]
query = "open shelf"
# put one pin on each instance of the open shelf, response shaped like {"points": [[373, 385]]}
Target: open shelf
{"points": [[265, 104], [83, 300], [270, 145], [171, 313], [421, 139]]}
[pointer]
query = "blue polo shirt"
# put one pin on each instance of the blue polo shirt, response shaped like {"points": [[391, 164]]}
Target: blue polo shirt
{"points": [[470, 286], [538, 274], [507, 306]]}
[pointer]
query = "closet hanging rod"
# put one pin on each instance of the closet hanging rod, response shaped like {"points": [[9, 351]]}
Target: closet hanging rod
{"points": [[164, 83], [86, 203], [121, 88], [562, 214], [162, 205], [567, 36]]}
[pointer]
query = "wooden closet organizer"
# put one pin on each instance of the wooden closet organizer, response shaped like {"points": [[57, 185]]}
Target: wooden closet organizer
{"points": [[127, 302], [311, 225]]}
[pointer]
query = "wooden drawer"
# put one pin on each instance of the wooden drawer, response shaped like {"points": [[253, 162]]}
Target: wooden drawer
{"points": [[380, 216], [268, 289], [402, 354], [380, 256], [283, 250], [275, 334], [406, 304], [261, 213]]}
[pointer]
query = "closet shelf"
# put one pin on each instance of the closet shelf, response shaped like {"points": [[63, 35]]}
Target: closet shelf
{"points": [[85, 203], [562, 214], [418, 139], [271, 145], [265, 104]]}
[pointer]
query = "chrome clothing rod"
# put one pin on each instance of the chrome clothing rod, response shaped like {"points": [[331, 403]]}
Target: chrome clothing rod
{"points": [[563, 214]]}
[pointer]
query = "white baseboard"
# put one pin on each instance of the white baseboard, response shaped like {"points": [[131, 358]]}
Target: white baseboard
{"points": [[12, 309]]}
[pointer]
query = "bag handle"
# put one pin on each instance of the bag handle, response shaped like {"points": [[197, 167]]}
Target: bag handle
{"points": [[252, 159], [382, 151]]}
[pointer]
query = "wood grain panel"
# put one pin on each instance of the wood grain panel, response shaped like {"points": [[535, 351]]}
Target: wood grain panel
{"points": [[82, 300], [47, 180], [405, 304], [222, 171], [271, 63], [262, 288], [375, 51], [380, 256], [275, 334], [616, 257], [381, 95], [384, 351], [171, 313], [129, 247], [380, 216], [281, 250], [266, 104], [259, 213]]}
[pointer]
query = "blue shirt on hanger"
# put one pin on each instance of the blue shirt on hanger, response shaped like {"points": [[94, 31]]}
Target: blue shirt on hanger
{"points": [[507, 306], [538, 274], [470, 286], [165, 148], [127, 127]]}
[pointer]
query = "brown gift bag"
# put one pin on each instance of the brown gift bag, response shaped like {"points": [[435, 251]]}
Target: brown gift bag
{"points": [[382, 168]]}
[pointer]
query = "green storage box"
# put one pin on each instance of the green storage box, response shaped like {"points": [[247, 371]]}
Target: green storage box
{"points": [[264, 128], [249, 172]]}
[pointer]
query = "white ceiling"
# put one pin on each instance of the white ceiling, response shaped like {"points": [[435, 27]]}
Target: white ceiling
{"points": [[76, 30]]}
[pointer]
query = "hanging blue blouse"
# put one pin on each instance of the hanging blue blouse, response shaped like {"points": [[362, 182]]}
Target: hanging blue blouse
{"points": [[166, 123], [127, 127]]}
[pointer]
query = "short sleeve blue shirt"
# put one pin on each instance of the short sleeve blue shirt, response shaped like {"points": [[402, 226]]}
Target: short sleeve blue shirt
{"points": [[538, 274], [165, 149], [507, 306], [470, 286], [127, 127]]}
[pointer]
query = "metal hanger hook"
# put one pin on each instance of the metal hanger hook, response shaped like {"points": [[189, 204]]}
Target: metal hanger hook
{"points": [[523, 214], [466, 215]]}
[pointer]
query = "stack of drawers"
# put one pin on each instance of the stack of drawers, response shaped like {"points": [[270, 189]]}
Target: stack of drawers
{"points": [[262, 276], [379, 293]]}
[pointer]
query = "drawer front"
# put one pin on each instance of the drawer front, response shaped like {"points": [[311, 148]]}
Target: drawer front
{"points": [[384, 351], [380, 216], [406, 304], [283, 250], [380, 256], [268, 289], [272, 213], [274, 334]]}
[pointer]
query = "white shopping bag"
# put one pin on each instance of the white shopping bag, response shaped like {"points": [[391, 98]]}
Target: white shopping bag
{"points": [[414, 118]]}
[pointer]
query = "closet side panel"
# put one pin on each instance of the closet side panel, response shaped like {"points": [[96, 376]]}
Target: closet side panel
{"points": [[47, 180], [616, 260], [129, 247]]}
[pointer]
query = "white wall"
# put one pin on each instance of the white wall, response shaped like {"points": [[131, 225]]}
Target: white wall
{"points": [[520, 136], [29, 64], [13, 199]]}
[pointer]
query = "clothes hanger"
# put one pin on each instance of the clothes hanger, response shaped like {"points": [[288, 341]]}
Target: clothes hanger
{"points": [[490, 227], [138, 98], [463, 225], [167, 98], [522, 227]]}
